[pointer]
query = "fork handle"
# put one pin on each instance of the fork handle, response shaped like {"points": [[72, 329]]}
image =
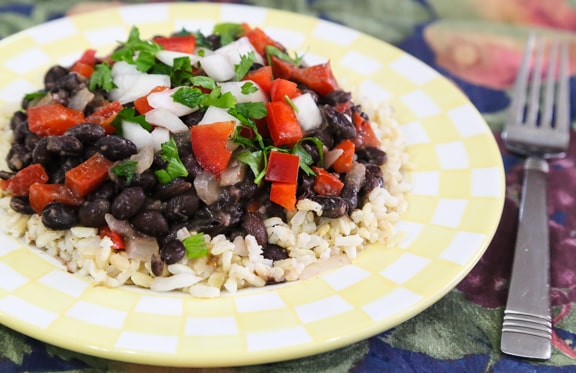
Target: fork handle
{"points": [[527, 326]]}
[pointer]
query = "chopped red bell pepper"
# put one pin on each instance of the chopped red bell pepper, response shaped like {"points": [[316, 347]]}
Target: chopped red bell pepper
{"points": [[261, 76], [19, 184], [105, 115], [282, 88], [85, 64], [282, 167], [283, 124], [88, 175], [282, 69], [43, 194], [284, 194], [343, 163], [259, 39], [53, 119], [318, 77], [115, 237], [209, 144], [141, 104], [177, 43], [326, 183], [365, 135]]}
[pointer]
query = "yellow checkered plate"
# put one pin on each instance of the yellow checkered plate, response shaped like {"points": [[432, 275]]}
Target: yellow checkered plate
{"points": [[455, 205]]}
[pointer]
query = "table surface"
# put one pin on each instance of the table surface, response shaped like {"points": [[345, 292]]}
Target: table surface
{"points": [[470, 43]]}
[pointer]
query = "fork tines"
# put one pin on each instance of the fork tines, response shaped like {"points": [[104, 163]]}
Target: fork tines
{"points": [[536, 106]]}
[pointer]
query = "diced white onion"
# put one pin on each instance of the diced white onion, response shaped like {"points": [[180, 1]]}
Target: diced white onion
{"points": [[129, 87], [81, 99], [207, 187], [168, 57], [240, 47], [167, 119], [143, 159], [308, 114], [218, 67], [233, 174], [141, 247], [164, 100], [159, 135], [235, 88], [331, 156], [215, 114], [124, 68], [135, 133]]}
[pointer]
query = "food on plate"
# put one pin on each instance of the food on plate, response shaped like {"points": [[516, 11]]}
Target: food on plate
{"points": [[200, 163]]}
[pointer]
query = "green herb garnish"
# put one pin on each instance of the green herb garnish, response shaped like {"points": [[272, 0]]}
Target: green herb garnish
{"points": [[175, 168], [102, 77], [195, 246], [137, 51], [246, 62], [129, 115], [228, 32], [126, 168]]}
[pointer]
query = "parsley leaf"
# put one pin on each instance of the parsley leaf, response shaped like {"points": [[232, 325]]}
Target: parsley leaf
{"points": [[228, 32], [175, 168], [246, 62], [189, 96], [217, 98], [137, 51], [193, 97], [35, 95], [248, 88], [126, 168], [195, 246], [256, 160], [253, 110], [102, 77]]}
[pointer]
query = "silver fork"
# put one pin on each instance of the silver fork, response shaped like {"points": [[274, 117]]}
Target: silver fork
{"points": [[538, 134]]}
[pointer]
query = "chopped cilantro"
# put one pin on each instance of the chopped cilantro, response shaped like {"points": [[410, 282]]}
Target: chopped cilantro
{"points": [[194, 97], [137, 51], [126, 168], [203, 81], [34, 95], [228, 32], [256, 160], [253, 110], [246, 62], [291, 103], [102, 77], [175, 168], [248, 88], [195, 246]]}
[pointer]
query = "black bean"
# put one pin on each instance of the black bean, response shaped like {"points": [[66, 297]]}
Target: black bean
{"points": [[374, 178], [172, 251], [171, 189], [53, 75], [157, 265], [5, 175], [147, 180], [31, 141], [64, 145], [191, 165], [274, 252], [253, 224], [193, 118], [19, 126], [86, 132], [115, 148], [91, 213], [21, 205], [336, 97], [58, 216], [105, 191], [353, 182], [40, 154], [183, 143], [18, 157], [371, 154], [339, 124], [128, 203], [18, 118], [150, 222], [182, 207], [332, 206]]}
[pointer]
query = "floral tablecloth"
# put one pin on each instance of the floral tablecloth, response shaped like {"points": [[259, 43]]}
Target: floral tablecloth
{"points": [[477, 45]]}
